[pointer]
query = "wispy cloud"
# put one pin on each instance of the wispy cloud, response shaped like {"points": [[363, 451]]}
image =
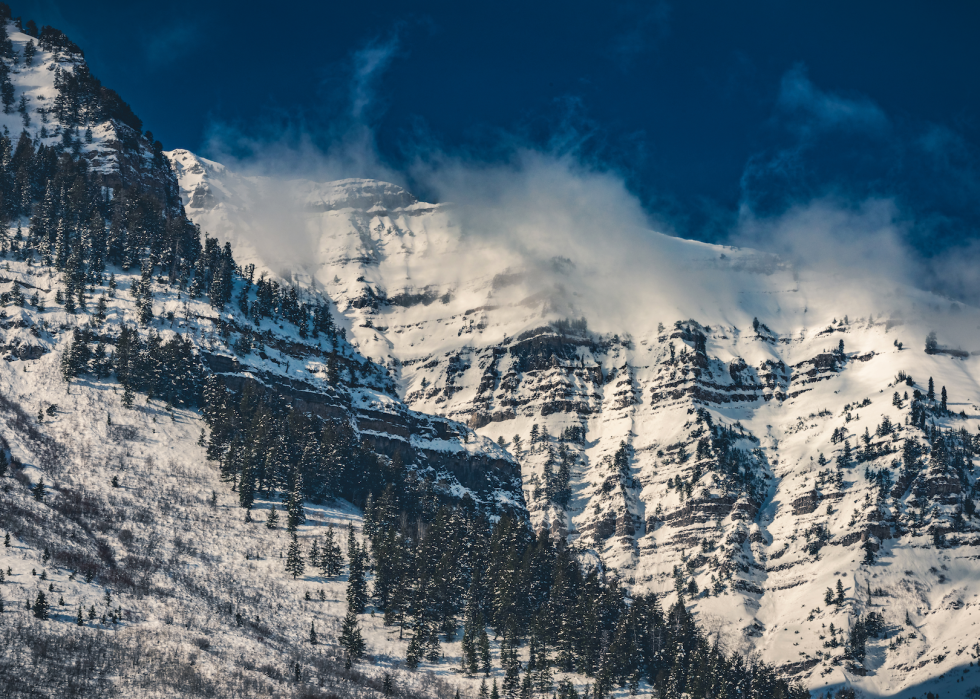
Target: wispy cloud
{"points": [[803, 106], [369, 64], [804, 117], [537, 202]]}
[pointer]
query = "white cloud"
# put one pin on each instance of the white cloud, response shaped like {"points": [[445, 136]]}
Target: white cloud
{"points": [[369, 63], [806, 108]]}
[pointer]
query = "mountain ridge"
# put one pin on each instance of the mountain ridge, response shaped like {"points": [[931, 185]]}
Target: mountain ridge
{"points": [[499, 352]]}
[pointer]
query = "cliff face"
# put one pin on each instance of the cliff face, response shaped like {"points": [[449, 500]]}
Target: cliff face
{"points": [[691, 443]]}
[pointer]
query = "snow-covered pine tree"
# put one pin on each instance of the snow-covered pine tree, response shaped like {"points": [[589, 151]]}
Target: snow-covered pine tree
{"points": [[315, 555], [351, 639], [356, 584], [272, 519], [294, 503], [331, 557], [294, 559], [40, 606]]}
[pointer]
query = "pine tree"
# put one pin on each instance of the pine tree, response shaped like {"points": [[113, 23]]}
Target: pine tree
{"points": [[484, 651], [943, 399], [331, 558], [315, 555], [313, 638], [483, 694], [416, 646], [246, 488], [931, 394], [351, 640], [294, 559], [128, 396], [294, 504], [38, 490], [527, 686], [79, 621], [40, 607], [356, 585], [272, 519], [839, 599]]}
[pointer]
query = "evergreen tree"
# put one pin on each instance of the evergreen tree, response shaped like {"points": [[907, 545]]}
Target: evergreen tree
{"points": [[315, 555], [294, 504], [356, 584], [485, 651], [931, 394], [351, 640], [331, 558], [246, 488], [40, 607], [313, 637], [943, 399], [38, 490], [272, 519], [294, 559]]}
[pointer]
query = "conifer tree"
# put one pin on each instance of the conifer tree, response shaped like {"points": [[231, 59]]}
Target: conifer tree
{"points": [[484, 651], [417, 645], [356, 584], [38, 490], [128, 397], [40, 607], [315, 555], [527, 686], [246, 488], [294, 504], [272, 519], [331, 558], [294, 559], [351, 640], [313, 637]]}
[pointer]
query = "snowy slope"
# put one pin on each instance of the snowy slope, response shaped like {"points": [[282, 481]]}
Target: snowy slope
{"points": [[222, 610], [467, 324], [116, 150]]}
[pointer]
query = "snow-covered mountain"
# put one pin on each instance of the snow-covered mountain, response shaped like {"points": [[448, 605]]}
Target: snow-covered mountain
{"points": [[780, 451], [686, 424]]}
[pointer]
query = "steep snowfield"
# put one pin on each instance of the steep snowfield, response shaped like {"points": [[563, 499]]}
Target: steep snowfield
{"points": [[202, 595], [467, 324]]}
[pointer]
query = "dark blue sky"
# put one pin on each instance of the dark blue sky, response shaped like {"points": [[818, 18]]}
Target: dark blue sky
{"points": [[702, 106]]}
